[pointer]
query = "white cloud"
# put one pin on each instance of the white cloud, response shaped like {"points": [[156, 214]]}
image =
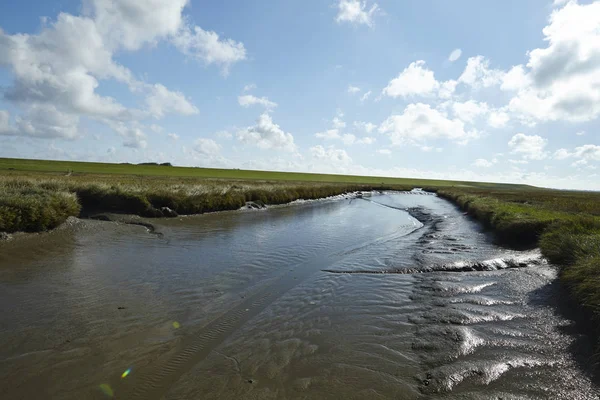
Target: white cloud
{"points": [[483, 163], [561, 154], [249, 87], [338, 123], [515, 79], [368, 127], [329, 134], [498, 119], [330, 155], [580, 133], [250, 100], [133, 136], [129, 24], [209, 48], [348, 139], [173, 136], [267, 135], [447, 89], [365, 96], [207, 147], [161, 101], [469, 110], [455, 55], [420, 122], [588, 152], [41, 121], [415, 80], [356, 11], [62, 66], [478, 74], [529, 147], [386, 152], [353, 89], [561, 80]]}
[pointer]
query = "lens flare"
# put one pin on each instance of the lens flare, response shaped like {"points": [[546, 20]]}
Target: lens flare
{"points": [[127, 372], [107, 390], [176, 325]]}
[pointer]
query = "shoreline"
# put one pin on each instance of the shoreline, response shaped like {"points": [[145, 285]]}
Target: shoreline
{"points": [[569, 241]]}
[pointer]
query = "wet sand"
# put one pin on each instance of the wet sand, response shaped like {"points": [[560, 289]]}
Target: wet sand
{"points": [[351, 299]]}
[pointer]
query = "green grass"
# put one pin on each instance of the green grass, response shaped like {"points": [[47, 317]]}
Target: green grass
{"points": [[19, 166]]}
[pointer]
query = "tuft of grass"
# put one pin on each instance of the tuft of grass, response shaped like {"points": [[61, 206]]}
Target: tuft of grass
{"points": [[34, 209]]}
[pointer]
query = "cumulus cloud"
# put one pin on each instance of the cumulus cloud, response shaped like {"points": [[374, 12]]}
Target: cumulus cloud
{"points": [[469, 110], [530, 147], [386, 152], [329, 134], [250, 100], [61, 67], [580, 133], [133, 136], [207, 147], [414, 80], [478, 73], [356, 12], [353, 89], [447, 89], [330, 155], [420, 122], [161, 101], [498, 119], [249, 87], [587, 152], [208, 48], [173, 136], [365, 96], [561, 80], [267, 135], [455, 55]]}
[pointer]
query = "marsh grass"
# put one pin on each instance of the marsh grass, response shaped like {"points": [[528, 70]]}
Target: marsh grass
{"points": [[37, 202]]}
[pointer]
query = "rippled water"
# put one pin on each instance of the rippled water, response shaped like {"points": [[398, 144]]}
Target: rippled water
{"points": [[352, 299]]}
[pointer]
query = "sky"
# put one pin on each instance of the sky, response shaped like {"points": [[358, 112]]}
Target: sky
{"points": [[505, 91]]}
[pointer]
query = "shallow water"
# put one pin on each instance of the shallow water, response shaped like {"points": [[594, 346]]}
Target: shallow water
{"points": [[351, 299]]}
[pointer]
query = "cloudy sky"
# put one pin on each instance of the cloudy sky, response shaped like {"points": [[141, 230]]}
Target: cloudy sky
{"points": [[505, 91]]}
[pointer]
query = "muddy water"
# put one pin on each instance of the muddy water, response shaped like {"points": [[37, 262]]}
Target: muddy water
{"points": [[352, 299]]}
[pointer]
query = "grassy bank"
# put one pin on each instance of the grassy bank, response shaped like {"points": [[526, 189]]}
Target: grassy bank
{"points": [[37, 203], [37, 195], [564, 224]]}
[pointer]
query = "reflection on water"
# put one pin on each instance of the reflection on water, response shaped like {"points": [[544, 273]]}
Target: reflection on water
{"points": [[240, 305]]}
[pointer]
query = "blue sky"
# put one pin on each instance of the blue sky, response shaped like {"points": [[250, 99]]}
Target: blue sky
{"points": [[496, 91]]}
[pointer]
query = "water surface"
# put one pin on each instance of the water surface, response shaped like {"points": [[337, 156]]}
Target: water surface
{"points": [[352, 299]]}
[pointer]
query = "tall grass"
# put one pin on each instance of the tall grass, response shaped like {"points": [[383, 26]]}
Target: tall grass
{"points": [[39, 202]]}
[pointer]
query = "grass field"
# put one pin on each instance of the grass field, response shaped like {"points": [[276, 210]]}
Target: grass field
{"points": [[18, 167], [38, 195]]}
